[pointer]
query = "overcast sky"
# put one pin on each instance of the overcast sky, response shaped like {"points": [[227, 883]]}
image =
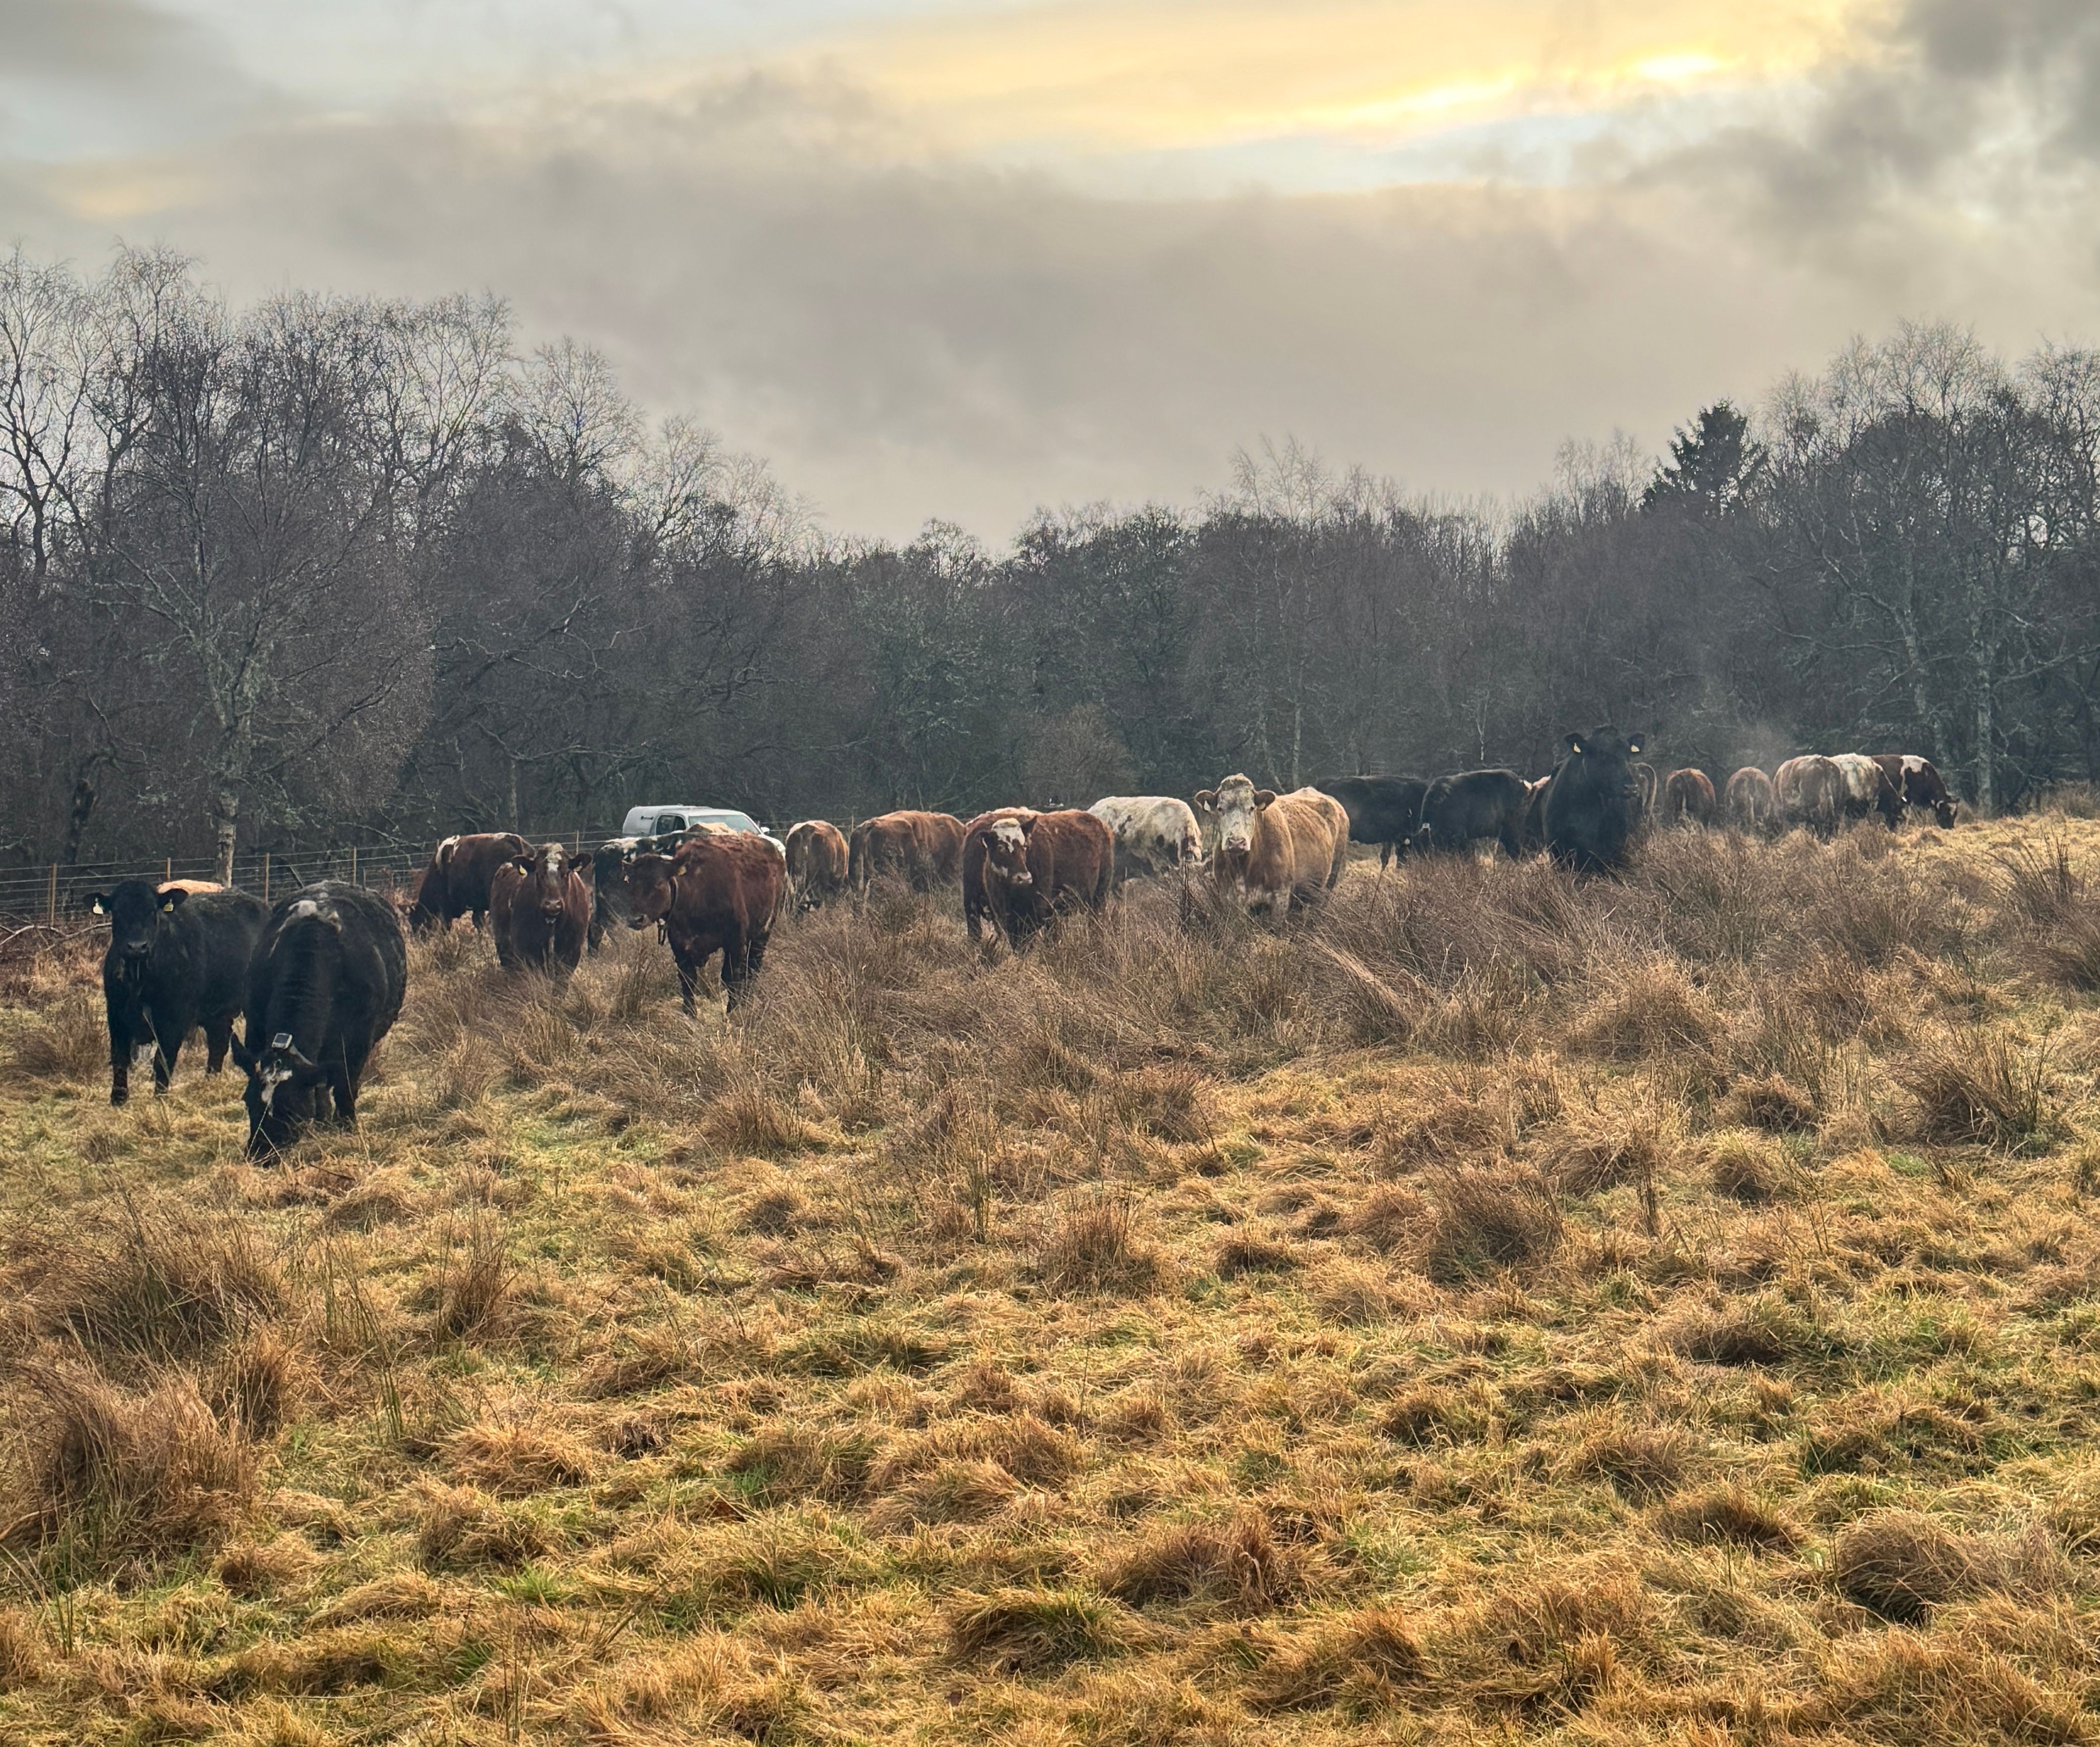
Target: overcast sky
{"points": [[962, 260]]}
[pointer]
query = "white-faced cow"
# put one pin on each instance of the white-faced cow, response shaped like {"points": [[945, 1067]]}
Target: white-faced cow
{"points": [[1274, 849], [540, 911]]}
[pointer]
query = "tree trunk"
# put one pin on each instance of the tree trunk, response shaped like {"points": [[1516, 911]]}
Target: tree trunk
{"points": [[225, 817]]}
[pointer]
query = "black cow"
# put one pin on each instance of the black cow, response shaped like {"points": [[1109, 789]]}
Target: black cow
{"points": [[1386, 810], [1462, 809], [1593, 805], [325, 986], [176, 959]]}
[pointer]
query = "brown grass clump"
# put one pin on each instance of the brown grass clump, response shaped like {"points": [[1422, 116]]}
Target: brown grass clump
{"points": [[1584, 1157], [1979, 1090], [155, 1281], [514, 1457], [118, 1473], [789, 1461], [1388, 1219], [1651, 1011], [1367, 1659], [1245, 1253], [1237, 1565], [1900, 1565], [260, 1384], [1898, 1687], [1093, 1247], [67, 1040], [2055, 902], [1727, 1514], [1772, 1102], [1485, 1222], [459, 1529], [469, 1290], [265, 1567], [23, 1650], [1641, 1462], [1745, 1169], [1032, 1631]]}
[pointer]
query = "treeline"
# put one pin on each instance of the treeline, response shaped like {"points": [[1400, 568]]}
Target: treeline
{"points": [[326, 566]]}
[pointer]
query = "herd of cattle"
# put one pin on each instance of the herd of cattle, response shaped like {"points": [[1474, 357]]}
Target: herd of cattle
{"points": [[319, 978]]}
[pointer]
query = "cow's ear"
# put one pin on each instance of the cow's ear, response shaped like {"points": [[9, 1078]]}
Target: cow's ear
{"points": [[98, 903], [1207, 799], [1264, 798], [175, 900]]}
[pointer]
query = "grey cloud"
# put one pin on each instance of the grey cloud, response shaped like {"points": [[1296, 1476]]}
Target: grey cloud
{"points": [[906, 339]]}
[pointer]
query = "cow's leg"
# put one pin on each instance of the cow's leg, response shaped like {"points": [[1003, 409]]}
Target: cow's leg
{"points": [[167, 1045], [1385, 855], [740, 968], [119, 1067], [217, 1038], [689, 971]]}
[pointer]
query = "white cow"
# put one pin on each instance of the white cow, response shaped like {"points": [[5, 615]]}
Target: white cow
{"points": [[1155, 834]]}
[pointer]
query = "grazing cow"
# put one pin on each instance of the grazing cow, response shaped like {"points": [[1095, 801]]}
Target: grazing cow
{"points": [[1022, 868], [1749, 803], [1275, 849], [456, 882], [1865, 787], [325, 985], [541, 912], [1386, 810], [1687, 798], [924, 849], [1155, 834], [817, 862], [716, 894], [1593, 801], [1463, 809], [176, 960], [1808, 791], [1920, 784]]}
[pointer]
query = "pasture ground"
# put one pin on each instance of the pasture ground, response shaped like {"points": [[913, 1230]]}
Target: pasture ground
{"points": [[1655, 1310]]}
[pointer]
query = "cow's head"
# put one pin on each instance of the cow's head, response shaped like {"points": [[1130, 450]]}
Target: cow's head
{"points": [[1234, 802], [650, 888], [546, 870], [1605, 756], [282, 1080], [135, 910], [1006, 852]]}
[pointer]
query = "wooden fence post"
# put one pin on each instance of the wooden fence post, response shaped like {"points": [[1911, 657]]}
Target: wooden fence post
{"points": [[353, 864], [170, 872], [53, 895], [266, 876]]}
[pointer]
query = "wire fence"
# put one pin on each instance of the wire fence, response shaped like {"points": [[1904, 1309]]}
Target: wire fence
{"points": [[58, 893]]}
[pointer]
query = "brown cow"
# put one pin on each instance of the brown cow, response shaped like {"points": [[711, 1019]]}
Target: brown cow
{"points": [[924, 849], [1273, 849], [456, 883], [717, 894], [1918, 782], [1865, 787], [1749, 803], [1645, 785], [1022, 868], [1687, 798], [1809, 792], [817, 862], [542, 909]]}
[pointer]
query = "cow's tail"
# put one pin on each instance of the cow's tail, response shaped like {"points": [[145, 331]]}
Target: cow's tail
{"points": [[858, 872]]}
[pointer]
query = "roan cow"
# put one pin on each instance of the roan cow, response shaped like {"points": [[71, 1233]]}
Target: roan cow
{"points": [[1646, 784], [324, 986], [818, 857], [1386, 810], [924, 849], [1920, 784], [1808, 791], [715, 894], [1593, 803], [1275, 849], [1748, 804], [1467, 806], [456, 882], [1865, 788], [540, 909], [176, 960], [1021, 869], [1155, 834], [1687, 798]]}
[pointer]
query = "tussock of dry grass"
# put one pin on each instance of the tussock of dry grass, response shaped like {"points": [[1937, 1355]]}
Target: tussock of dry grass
{"points": [[1492, 1306]]}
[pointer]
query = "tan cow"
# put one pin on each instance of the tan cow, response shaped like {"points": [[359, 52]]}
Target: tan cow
{"points": [[1809, 790], [1274, 849], [817, 857], [924, 849]]}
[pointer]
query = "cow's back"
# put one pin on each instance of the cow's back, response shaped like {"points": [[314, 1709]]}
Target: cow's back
{"points": [[1308, 841], [1071, 857], [1749, 802]]}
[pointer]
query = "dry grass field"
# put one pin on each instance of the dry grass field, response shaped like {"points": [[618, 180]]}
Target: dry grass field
{"points": [[1664, 1309]]}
